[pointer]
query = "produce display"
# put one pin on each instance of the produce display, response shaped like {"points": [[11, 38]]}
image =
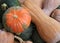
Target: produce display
{"points": [[47, 27], [29, 21], [23, 21]]}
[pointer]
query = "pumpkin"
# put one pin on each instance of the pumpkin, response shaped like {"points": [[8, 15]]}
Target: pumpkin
{"points": [[16, 19], [5, 4]]}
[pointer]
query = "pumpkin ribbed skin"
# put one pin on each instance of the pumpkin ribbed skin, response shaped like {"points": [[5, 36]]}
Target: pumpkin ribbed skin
{"points": [[17, 19]]}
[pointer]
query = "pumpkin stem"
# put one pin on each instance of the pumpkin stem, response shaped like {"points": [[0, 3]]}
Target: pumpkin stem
{"points": [[15, 16]]}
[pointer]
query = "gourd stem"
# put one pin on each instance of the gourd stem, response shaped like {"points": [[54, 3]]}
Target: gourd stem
{"points": [[20, 39], [15, 16]]}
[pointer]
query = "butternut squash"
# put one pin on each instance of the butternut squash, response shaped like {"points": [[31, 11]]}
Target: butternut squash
{"points": [[48, 28], [38, 2]]}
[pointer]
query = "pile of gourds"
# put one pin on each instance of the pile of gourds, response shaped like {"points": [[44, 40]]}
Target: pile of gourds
{"points": [[16, 17], [47, 27], [14, 20]]}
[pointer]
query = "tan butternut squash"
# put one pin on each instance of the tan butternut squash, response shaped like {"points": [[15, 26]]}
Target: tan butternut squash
{"points": [[48, 28], [38, 2]]}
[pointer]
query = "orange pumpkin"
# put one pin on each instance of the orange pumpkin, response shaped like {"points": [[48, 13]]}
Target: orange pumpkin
{"points": [[16, 19]]}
